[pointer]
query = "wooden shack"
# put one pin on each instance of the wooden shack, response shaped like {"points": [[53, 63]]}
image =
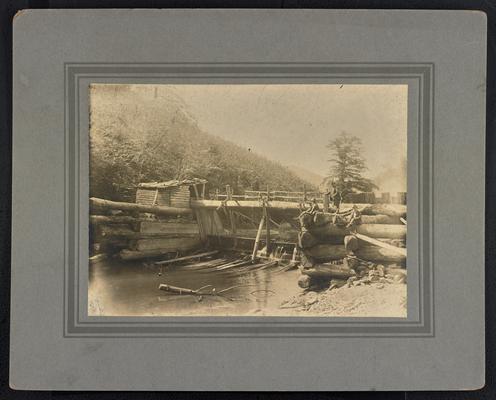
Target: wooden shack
{"points": [[172, 193]]}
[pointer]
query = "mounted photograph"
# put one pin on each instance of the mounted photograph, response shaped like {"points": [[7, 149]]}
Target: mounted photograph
{"points": [[248, 200]]}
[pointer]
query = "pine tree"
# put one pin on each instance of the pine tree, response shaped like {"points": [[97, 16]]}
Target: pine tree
{"points": [[347, 165]]}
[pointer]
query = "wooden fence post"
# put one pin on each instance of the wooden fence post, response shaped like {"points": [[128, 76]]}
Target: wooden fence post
{"points": [[267, 226]]}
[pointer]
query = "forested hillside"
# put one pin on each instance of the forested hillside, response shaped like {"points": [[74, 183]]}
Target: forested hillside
{"points": [[138, 134]]}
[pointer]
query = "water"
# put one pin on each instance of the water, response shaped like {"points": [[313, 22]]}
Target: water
{"points": [[131, 289]]}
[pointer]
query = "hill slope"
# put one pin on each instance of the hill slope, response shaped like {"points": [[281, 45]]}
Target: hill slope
{"points": [[306, 175], [138, 134]]}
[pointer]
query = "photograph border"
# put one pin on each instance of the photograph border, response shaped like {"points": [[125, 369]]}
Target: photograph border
{"points": [[255, 327]]}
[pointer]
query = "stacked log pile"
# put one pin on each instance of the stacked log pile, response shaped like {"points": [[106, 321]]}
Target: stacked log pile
{"points": [[376, 234], [124, 228]]}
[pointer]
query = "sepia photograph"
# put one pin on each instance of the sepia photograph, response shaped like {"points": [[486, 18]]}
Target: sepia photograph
{"points": [[248, 200]]}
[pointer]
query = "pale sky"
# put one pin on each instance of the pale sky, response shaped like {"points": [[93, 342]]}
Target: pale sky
{"points": [[288, 123], [293, 123]]}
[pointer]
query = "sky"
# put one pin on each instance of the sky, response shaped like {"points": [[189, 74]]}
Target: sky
{"points": [[288, 123], [293, 123]]}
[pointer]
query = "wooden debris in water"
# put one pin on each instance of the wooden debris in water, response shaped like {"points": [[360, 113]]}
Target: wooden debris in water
{"points": [[198, 292], [200, 255]]}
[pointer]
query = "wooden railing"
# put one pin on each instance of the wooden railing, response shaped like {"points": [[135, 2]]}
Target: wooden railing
{"points": [[271, 195], [304, 196]]}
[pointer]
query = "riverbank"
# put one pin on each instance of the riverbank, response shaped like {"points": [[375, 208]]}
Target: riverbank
{"points": [[371, 300]]}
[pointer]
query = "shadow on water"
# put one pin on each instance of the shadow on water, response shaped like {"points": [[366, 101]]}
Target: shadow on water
{"points": [[131, 289]]}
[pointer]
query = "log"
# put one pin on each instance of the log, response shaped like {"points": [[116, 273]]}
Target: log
{"points": [[395, 210], [137, 255], [326, 251], [177, 289], [286, 235], [96, 203], [371, 230], [113, 243], [169, 244], [375, 242], [117, 219], [192, 257], [327, 218], [394, 242], [380, 219], [226, 240], [328, 271], [115, 231], [304, 281], [307, 239], [169, 227], [351, 243], [245, 204], [369, 253]]}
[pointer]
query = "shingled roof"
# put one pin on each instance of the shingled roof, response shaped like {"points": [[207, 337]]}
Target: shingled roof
{"points": [[172, 183]]}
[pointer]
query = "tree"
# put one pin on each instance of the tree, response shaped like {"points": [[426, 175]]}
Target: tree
{"points": [[347, 165]]}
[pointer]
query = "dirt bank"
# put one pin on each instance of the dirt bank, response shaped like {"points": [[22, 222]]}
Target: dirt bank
{"points": [[371, 300]]}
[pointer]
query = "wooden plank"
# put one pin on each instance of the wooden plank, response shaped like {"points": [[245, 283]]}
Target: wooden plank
{"points": [[169, 227], [196, 191], [192, 257], [257, 239], [217, 223], [399, 250], [267, 228], [201, 227]]}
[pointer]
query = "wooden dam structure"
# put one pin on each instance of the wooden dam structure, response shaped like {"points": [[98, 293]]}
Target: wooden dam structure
{"points": [[179, 219]]}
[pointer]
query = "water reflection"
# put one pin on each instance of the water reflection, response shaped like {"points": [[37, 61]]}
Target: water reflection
{"points": [[131, 289]]}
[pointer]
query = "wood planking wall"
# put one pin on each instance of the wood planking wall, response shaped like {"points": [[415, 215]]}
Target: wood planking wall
{"points": [[180, 196], [145, 196]]}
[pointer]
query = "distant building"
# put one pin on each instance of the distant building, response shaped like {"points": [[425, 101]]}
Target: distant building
{"points": [[172, 193]]}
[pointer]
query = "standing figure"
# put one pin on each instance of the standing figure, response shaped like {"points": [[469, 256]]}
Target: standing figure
{"points": [[336, 193]]}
